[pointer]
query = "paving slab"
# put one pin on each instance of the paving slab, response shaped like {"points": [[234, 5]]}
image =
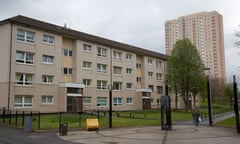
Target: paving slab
{"points": [[180, 134]]}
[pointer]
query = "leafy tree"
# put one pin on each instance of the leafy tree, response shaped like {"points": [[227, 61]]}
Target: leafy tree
{"points": [[217, 90], [185, 70]]}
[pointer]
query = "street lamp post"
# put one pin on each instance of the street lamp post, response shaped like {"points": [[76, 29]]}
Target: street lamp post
{"points": [[110, 106], [209, 98], [110, 92]]}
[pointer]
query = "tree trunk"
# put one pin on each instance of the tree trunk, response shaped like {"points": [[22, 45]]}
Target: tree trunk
{"points": [[176, 101]]}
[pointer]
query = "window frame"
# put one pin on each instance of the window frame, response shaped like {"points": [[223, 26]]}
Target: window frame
{"points": [[25, 57], [47, 39], [150, 74], [129, 71], [47, 98], [47, 59], [68, 70], [47, 79], [158, 64], [117, 55], [129, 84], [129, 56], [159, 89], [87, 47], [139, 79], [101, 84], [117, 70], [158, 76], [24, 77], [25, 36], [103, 102], [127, 100], [138, 65], [87, 65], [87, 82], [101, 68], [23, 103], [67, 52], [117, 85], [101, 52], [117, 101], [87, 100], [150, 61]]}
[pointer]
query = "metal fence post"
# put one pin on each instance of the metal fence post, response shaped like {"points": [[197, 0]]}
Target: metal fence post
{"points": [[39, 116]]}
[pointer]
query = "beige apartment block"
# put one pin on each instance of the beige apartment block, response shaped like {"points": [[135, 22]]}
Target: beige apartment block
{"points": [[49, 68], [205, 30]]}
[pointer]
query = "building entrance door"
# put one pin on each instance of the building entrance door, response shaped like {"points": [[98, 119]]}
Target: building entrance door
{"points": [[74, 104], [146, 103]]}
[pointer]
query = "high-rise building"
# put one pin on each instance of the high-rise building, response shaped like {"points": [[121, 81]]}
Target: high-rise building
{"points": [[49, 68], [205, 30]]}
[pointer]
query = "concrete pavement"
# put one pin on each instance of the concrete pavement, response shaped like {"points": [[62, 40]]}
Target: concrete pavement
{"points": [[180, 134], [11, 135]]}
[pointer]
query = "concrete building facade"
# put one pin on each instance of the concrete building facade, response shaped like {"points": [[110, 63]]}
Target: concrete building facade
{"points": [[205, 30], [49, 68]]}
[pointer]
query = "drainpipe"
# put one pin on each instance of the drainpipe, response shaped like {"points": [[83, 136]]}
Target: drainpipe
{"points": [[10, 69]]}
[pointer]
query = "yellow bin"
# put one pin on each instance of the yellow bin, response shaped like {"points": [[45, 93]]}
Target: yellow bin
{"points": [[92, 124]]}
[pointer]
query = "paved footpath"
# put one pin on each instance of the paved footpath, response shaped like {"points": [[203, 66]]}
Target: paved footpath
{"points": [[180, 134]]}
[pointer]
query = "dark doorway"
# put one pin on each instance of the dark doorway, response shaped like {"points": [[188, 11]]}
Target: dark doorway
{"points": [[74, 104], [146, 103]]}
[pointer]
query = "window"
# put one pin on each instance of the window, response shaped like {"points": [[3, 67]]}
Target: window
{"points": [[48, 39], [117, 55], [24, 79], [101, 52], [67, 52], [87, 65], [102, 68], [101, 84], [101, 101], [25, 36], [67, 71], [117, 85], [87, 82], [158, 64], [150, 61], [159, 89], [158, 102], [128, 56], [129, 71], [47, 79], [158, 76], [24, 57], [86, 100], [129, 85], [47, 59], [150, 74], [117, 101], [139, 79], [138, 65], [87, 47], [23, 101], [129, 101], [151, 87], [117, 70], [47, 99]]}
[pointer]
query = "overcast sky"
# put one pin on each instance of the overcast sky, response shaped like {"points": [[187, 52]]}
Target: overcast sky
{"points": [[135, 22]]}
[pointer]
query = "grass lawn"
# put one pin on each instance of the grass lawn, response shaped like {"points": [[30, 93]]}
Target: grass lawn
{"points": [[228, 122], [122, 119], [125, 119]]}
